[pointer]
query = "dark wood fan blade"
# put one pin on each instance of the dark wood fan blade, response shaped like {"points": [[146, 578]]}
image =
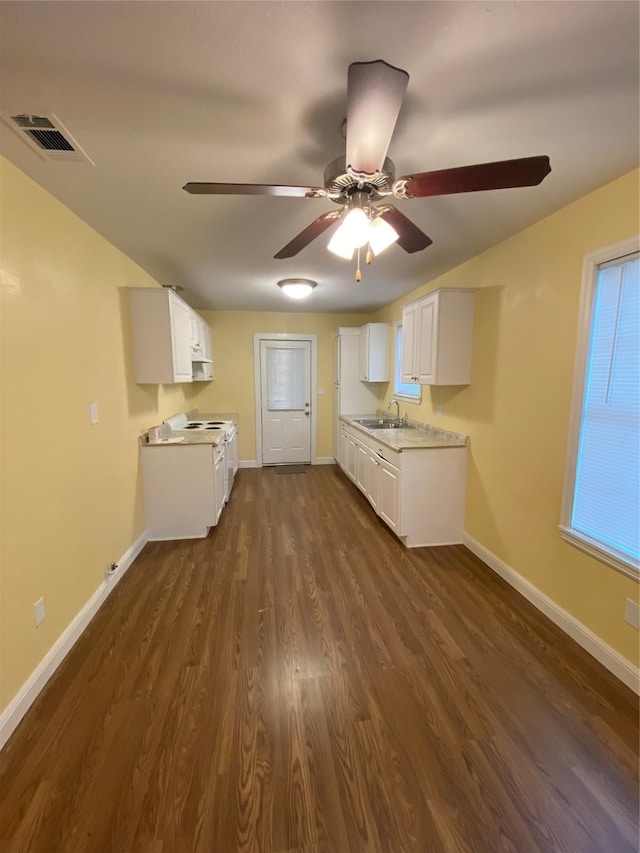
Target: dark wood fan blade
{"points": [[254, 189], [410, 238], [375, 91], [310, 233], [525, 172]]}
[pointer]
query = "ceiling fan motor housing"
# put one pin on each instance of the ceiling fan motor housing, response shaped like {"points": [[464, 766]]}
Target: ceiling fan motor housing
{"points": [[341, 185]]}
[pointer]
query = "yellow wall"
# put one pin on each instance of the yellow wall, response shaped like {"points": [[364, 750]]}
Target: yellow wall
{"points": [[234, 387], [70, 492], [516, 410], [70, 497]]}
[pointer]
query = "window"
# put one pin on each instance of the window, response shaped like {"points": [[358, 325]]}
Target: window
{"points": [[405, 390], [601, 506]]}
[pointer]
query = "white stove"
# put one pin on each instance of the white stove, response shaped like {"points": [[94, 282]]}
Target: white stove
{"points": [[182, 424]]}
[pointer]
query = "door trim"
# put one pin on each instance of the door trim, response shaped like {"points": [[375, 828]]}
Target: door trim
{"points": [[284, 336]]}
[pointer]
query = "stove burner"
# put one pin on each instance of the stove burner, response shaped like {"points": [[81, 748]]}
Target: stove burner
{"points": [[217, 429], [216, 423], [192, 426]]}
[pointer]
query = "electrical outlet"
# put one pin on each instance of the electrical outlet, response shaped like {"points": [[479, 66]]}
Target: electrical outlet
{"points": [[320, 389], [632, 613], [39, 610], [93, 413]]}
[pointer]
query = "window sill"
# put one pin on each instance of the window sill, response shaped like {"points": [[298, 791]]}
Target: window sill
{"points": [[594, 549], [407, 398]]}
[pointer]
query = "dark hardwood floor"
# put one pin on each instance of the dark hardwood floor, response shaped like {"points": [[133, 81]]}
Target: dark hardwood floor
{"points": [[298, 681]]}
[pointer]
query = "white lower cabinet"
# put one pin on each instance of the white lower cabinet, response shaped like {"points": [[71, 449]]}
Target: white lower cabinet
{"points": [[362, 456], [351, 458], [371, 480], [419, 493], [343, 449], [219, 463], [388, 505], [183, 489]]}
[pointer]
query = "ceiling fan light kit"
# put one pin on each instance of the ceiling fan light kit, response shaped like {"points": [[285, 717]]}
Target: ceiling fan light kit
{"points": [[341, 245], [297, 288], [364, 181], [355, 227], [381, 235]]}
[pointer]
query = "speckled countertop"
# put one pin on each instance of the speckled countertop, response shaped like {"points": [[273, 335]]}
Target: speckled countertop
{"points": [[191, 437], [412, 437]]}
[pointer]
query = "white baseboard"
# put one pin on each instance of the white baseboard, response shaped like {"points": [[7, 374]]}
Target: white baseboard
{"points": [[252, 463], [28, 693], [597, 648]]}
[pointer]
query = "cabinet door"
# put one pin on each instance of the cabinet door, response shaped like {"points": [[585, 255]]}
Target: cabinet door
{"points": [[205, 339], [409, 330], [218, 478], [373, 467], [351, 458], [427, 341], [388, 495], [362, 456], [181, 340], [195, 334], [343, 456], [364, 354]]}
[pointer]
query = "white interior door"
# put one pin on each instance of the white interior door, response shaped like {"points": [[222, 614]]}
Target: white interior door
{"points": [[285, 394]]}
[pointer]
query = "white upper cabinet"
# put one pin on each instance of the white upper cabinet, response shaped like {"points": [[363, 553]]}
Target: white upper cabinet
{"points": [[374, 352], [162, 327], [205, 339], [200, 339], [180, 331], [196, 337], [437, 338]]}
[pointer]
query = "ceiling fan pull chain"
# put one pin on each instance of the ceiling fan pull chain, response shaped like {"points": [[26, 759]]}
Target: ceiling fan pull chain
{"points": [[358, 273]]}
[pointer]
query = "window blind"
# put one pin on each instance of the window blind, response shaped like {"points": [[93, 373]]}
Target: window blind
{"points": [[285, 378], [606, 504]]}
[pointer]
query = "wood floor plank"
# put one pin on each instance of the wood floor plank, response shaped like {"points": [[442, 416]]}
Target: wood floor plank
{"points": [[299, 682]]}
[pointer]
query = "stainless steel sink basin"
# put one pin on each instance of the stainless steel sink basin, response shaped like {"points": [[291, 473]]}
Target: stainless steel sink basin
{"points": [[391, 425], [377, 423]]}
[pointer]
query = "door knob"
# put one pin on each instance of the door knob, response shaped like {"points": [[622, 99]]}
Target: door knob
{"points": [[306, 414]]}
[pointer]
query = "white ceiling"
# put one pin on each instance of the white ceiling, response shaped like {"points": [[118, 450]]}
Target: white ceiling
{"points": [[161, 93]]}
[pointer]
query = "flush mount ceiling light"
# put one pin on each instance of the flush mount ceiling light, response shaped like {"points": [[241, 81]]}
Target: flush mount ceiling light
{"points": [[297, 288]]}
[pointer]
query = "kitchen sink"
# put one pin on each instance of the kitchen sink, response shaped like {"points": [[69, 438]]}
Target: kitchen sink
{"points": [[390, 425], [376, 423]]}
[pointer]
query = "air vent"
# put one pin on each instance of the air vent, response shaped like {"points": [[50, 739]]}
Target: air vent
{"points": [[46, 135]]}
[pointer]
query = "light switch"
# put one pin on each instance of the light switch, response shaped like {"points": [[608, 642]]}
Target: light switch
{"points": [[93, 413], [320, 389]]}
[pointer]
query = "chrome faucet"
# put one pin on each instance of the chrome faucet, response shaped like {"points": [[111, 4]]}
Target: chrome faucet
{"points": [[391, 402]]}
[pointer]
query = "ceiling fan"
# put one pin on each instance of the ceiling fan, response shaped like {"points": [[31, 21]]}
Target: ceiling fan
{"points": [[363, 183]]}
